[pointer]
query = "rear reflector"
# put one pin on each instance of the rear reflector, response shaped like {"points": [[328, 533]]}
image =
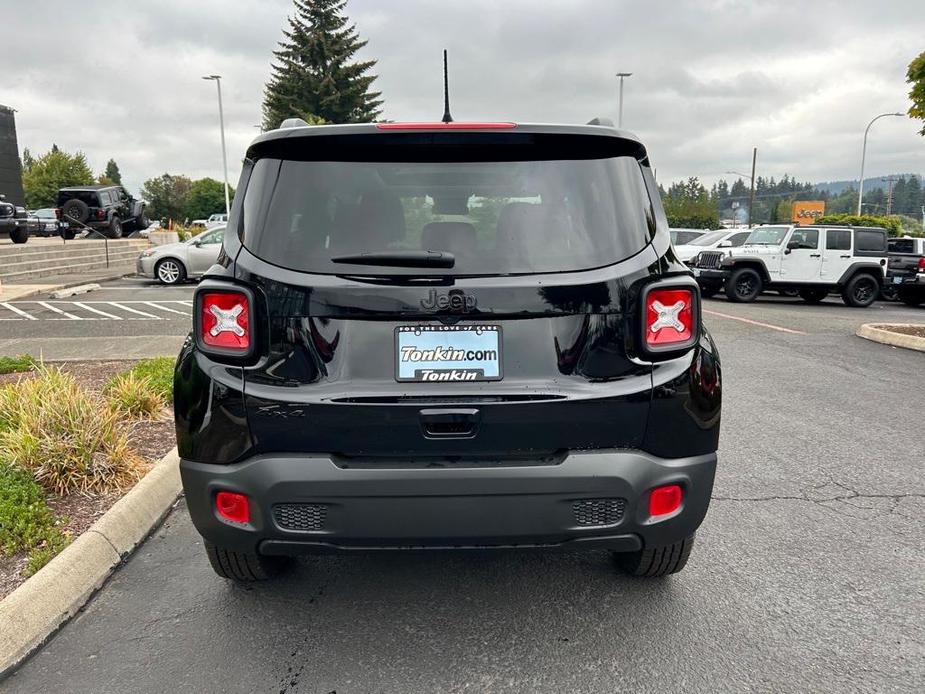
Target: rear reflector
{"points": [[225, 321], [670, 320], [233, 507], [665, 500], [454, 125]]}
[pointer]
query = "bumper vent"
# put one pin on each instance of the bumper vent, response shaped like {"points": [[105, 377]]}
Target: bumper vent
{"points": [[590, 512], [300, 516]]}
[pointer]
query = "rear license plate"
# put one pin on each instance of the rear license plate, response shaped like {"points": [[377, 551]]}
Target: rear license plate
{"points": [[425, 353], [897, 280], [696, 272]]}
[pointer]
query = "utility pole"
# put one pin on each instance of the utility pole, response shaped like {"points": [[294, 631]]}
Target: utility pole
{"points": [[621, 75], [889, 196], [751, 195]]}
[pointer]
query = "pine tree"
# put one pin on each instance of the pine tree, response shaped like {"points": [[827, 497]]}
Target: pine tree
{"points": [[313, 76], [112, 172]]}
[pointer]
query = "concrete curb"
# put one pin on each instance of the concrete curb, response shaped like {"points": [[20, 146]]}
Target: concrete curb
{"points": [[47, 600], [10, 292], [876, 333]]}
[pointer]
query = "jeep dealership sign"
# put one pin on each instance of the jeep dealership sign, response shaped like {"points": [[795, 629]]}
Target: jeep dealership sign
{"points": [[807, 211]]}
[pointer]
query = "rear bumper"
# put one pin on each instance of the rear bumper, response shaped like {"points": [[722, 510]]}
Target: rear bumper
{"points": [[575, 503]]}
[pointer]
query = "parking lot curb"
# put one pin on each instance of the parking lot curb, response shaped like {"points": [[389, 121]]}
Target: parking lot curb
{"points": [[46, 601], [10, 292], [877, 333]]}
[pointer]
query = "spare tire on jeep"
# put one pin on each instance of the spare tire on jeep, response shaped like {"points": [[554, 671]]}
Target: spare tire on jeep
{"points": [[76, 210]]}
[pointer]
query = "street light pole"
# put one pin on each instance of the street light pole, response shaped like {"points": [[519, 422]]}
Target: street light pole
{"points": [[221, 123], [751, 195], [621, 75], [864, 155]]}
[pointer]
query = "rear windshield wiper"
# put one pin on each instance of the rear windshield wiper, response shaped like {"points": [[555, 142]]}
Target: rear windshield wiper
{"points": [[399, 259]]}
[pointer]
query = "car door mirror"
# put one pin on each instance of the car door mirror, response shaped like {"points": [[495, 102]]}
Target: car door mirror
{"points": [[725, 244]]}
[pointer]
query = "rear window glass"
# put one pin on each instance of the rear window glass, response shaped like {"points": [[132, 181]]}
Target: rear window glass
{"points": [[90, 197], [902, 245], [869, 240], [495, 217]]}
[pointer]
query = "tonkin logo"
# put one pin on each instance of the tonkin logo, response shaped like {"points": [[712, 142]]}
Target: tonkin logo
{"points": [[455, 300]]}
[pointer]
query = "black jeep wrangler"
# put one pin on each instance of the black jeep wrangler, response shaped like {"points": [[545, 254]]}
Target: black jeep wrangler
{"points": [[16, 222], [463, 335], [108, 209]]}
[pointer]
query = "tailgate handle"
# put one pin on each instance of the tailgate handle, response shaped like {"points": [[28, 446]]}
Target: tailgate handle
{"points": [[450, 423]]}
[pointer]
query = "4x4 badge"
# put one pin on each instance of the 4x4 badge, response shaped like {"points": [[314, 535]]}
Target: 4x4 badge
{"points": [[455, 300]]}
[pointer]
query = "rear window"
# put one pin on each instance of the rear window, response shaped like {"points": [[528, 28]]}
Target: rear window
{"points": [[902, 245], [495, 217], [90, 197], [869, 241]]}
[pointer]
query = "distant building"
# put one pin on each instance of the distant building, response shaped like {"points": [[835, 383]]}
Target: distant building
{"points": [[10, 167]]}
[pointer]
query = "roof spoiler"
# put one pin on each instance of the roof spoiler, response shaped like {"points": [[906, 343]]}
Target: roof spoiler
{"points": [[606, 122], [293, 123]]}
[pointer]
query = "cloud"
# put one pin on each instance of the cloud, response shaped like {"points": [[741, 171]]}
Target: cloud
{"points": [[710, 79]]}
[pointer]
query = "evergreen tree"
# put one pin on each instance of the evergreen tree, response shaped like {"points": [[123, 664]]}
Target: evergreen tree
{"points": [[112, 172], [313, 76]]}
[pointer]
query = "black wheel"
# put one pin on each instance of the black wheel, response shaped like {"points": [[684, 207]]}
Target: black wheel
{"points": [[708, 290], [244, 568], [654, 562], [68, 234], [170, 271], [911, 297], [813, 296], [861, 291], [75, 210], [19, 235], [114, 230], [889, 292], [789, 292], [744, 285]]}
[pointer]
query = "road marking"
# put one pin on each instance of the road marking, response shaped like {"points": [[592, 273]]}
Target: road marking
{"points": [[96, 310], [186, 303], [58, 310], [164, 308], [755, 322], [134, 310], [19, 311]]}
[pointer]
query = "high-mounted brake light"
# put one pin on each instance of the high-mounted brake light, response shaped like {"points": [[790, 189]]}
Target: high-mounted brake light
{"points": [[225, 320], [233, 507], [453, 125], [670, 318]]}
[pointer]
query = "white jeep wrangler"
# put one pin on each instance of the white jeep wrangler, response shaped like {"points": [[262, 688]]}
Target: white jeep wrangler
{"points": [[811, 260]]}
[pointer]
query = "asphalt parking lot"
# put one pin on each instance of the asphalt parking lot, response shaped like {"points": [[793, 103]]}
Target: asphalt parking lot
{"points": [[807, 576]]}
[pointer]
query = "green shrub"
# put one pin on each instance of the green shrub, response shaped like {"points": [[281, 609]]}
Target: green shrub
{"points": [[133, 395], [68, 439], [26, 522], [23, 362], [159, 371], [892, 224]]}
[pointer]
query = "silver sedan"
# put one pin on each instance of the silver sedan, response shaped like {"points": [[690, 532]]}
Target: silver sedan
{"points": [[174, 263]]}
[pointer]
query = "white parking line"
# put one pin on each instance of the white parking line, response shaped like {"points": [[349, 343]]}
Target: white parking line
{"points": [[754, 322], [186, 303], [164, 308], [96, 310], [58, 310], [18, 311], [133, 310]]}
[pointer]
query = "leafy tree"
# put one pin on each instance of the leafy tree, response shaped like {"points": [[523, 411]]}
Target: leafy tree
{"points": [[42, 177], [313, 76], [167, 196], [688, 204], [206, 197], [916, 77], [112, 172], [892, 224], [28, 161]]}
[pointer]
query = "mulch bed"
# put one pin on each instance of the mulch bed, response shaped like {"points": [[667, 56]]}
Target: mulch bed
{"points": [[916, 330], [153, 439]]}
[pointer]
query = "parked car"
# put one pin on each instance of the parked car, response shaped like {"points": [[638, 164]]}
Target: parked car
{"points": [[49, 220], [173, 263], [104, 208], [15, 221], [905, 277], [216, 220], [813, 260], [358, 380], [724, 238], [681, 237]]}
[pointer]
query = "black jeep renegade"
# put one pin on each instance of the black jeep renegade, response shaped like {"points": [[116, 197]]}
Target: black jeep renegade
{"points": [[450, 335]]}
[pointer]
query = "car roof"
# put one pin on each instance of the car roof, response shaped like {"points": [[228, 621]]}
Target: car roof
{"points": [[93, 187], [297, 131]]}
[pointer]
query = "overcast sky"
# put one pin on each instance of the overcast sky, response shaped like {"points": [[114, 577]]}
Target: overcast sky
{"points": [[711, 79]]}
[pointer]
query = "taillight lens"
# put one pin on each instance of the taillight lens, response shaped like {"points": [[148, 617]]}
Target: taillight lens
{"points": [[233, 507], [670, 319], [921, 264], [665, 500], [100, 213], [225, 321]]}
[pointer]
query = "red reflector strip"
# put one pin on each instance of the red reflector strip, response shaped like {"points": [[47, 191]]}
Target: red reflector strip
{"points": [[665, 500], [233, 507], [669, 317], [225, 320], [455, 125]]}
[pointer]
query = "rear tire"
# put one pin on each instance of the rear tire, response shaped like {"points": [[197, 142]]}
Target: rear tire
{"points": [[911, 298], [114, 230], [655, 562], [68, 234], [19, 235], [861, 291], [244, 567], [744, 285], [813, 296]]}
